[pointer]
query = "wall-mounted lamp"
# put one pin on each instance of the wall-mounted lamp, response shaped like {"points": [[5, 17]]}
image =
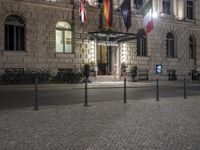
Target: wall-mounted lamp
{"points": [[155, 14]]}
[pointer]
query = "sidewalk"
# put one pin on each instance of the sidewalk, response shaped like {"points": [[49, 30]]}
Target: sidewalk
{"points": [[170, 124], [94, 84]]}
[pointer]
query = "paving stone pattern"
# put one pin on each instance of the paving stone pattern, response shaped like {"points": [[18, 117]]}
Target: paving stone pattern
{"points": [[170, 124]]}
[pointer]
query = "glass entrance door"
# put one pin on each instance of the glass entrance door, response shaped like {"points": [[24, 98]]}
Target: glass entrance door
{"points": [[104, 60]]}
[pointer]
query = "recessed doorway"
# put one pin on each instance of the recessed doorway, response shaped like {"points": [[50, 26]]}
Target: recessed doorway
{"points": [[104, 61]]}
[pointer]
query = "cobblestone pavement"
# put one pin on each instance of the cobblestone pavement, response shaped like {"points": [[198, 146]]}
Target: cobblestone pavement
{"points": [[170, 124]]}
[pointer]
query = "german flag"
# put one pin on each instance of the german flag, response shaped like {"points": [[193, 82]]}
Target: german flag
{"points": [[108, 10]]}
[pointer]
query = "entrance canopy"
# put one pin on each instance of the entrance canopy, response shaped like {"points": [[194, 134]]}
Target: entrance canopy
{"points": [[110, 36]]}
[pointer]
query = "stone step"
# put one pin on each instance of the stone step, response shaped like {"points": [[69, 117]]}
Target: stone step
{"points": [[106, 78]]}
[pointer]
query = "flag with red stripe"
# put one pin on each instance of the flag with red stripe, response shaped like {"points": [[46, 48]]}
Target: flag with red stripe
{"points": [[147, 15], [108, 12], [83, 15]]}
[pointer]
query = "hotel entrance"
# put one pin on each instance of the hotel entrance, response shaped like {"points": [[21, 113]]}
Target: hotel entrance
{"points": [[108, 50], [104, 60]]}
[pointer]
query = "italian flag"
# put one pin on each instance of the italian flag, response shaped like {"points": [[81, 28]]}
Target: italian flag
{"points": [[147, 16]]}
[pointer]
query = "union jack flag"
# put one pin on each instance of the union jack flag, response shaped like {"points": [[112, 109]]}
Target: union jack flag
{"points": [[82, 11], [80, 4]]}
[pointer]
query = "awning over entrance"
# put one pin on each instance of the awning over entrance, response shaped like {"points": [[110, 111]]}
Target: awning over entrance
{"points": [[111, 36]]}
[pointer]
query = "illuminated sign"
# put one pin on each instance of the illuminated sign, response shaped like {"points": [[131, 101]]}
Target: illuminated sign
{"points": [[158, 69], [108, 43]]}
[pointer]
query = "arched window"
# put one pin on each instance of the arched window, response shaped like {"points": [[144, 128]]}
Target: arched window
{"points": [[190, 9], [166, 6], [63, 37], [14, 33], [192, 47], [141, 43], [170, 45]]}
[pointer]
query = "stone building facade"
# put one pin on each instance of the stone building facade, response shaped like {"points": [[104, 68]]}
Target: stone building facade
{"points": [[173, 43]]}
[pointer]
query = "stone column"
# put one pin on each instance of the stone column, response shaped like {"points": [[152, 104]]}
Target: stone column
{"points": [[115, 3], [159, 6], [196, 11], [172, 7], [95, 61], [118, 61], [132, 4], [95, 51], [180, 9], [175, 8], [155, 6]]}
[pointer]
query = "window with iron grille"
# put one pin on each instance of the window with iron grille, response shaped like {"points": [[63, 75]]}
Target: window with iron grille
{"points": [[14, 33], [142, 43], [166, 6], [190, 9], [170, 45]]}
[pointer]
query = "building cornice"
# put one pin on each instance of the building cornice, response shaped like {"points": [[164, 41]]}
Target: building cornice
{"points": [[43, 3]]}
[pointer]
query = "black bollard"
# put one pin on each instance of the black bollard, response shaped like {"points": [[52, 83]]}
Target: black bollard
{"points": [[86, 94], [184, 87], [157, 90], [125, 90], [36, 95]]}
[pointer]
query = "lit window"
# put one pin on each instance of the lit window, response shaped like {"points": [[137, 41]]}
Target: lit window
{"points": [[190, 9], [14, 33], [141, 43], [63, 37], [170, 45], [166, 6]]}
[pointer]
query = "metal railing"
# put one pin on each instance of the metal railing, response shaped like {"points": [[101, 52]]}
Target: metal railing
{"points": [[28, 76]]}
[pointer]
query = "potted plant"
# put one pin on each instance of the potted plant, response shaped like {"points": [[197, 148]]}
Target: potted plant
{"points": [[87, 71], [133, 71], [123, 69]]}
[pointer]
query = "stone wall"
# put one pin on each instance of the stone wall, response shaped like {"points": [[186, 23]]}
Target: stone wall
{"points": [[41, 19]]}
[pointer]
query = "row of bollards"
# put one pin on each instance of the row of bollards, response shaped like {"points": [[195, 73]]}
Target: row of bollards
{"points": [[86, 93], [125, 92], [184, 89], [36, 95]]}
